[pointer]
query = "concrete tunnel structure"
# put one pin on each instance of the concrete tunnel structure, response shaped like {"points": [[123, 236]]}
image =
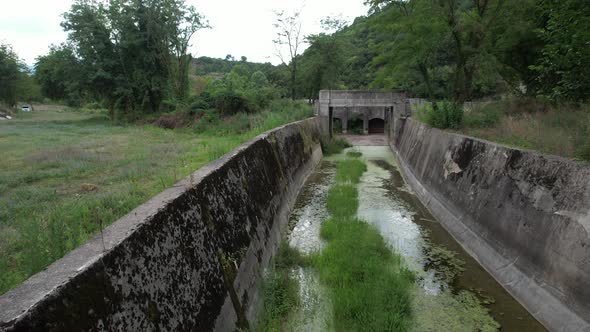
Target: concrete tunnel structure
{"points": [[190, 258], [375, 109]]}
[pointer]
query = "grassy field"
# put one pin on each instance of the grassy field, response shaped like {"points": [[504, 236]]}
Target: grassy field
{"points": [[64, 175], [527, 123]]}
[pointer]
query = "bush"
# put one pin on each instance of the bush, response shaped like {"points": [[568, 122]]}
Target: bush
{"points": [[230, 102], [484, 117], [93, 105], [446, 115], [209, 119], [334, 146], [198, 104]]}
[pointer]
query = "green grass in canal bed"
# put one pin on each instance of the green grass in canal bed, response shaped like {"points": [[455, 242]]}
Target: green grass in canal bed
{"points": [[350, 171], [280, 291], [342, 201], [369, 286]]}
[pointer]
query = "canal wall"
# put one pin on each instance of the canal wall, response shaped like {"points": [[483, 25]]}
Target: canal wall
{"points": [[524, 216], [188, 259]]}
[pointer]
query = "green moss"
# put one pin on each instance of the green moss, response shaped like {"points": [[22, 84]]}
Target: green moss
{"points": [[354, 154], [445, 262], [449, 312]]}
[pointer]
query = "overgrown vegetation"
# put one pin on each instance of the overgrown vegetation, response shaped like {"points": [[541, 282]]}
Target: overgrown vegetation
{"points": [[354, 154], [529, 123], [334, 145], [350, 171], [16, 80], [444, 115], [65, 175], [280, 291], [369, 286], [532, 124]]}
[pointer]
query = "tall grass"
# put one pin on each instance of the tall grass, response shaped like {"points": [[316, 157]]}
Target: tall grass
{"points": [[445, 115], [249, 125], [350, 171], [334, 146], [369, 287], [65, 175], [280, 291], [562, 130], [529, 123]]}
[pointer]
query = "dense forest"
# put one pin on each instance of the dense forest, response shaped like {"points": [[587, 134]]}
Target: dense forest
{"points": [[132, 58], [458, 50]]}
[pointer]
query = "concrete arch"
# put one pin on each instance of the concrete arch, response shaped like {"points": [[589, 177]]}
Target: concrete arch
{"points": [[338, 125], [356, 125], [376, 125]]}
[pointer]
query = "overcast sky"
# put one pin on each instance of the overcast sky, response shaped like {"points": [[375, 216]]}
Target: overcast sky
{"points": [[238, 27]]}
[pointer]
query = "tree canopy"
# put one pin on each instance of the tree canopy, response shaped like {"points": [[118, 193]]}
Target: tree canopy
{"points": [[132, 54], [458, 49]]}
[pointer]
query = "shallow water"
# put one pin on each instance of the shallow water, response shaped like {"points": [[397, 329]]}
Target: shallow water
{"points": [[445, 299]]}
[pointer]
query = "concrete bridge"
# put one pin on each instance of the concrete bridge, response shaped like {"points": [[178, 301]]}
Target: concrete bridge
{"points": [[373, 111]]}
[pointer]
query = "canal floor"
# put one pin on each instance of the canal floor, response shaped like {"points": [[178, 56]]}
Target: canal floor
{"points": [[452, 292]]}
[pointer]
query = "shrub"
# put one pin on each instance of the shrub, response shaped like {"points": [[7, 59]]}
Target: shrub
{"points": [[484, 117], [446, 115], [93, 105], [230, 102], [209, 119], [334, 145]]}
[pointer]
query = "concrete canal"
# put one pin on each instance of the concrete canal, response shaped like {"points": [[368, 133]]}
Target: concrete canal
{"points": [[451, 292]]}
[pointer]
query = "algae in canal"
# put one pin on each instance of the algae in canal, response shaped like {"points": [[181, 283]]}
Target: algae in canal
{"points": [[314, 310], [444, 299], [406, 224]]}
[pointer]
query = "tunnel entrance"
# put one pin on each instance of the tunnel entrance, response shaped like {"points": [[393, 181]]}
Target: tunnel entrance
{"points": [[376, 126], [355, 126], [337, 125]]}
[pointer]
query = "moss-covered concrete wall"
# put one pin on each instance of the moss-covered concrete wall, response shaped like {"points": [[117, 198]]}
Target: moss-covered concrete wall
{"points": [[188, 259], [524, 216]]}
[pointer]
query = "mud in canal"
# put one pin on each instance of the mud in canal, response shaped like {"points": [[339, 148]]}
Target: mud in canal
{"points": [[452, 292]]}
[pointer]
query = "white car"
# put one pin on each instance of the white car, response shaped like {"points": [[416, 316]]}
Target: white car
{"points": [[26, 108]]}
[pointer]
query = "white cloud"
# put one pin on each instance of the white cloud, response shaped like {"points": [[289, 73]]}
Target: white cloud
{"points": [[240, 28]]}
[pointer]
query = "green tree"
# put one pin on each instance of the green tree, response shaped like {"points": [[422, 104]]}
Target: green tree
{"points": [[289, 36], [564, 67], [60, 75], [27, 88], [412, 47], [10, 67], [134, 52], [324, 59]]}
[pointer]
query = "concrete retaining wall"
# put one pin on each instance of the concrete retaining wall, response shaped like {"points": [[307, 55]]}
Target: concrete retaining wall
{"points": [[188, 259], [524, 216]]}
